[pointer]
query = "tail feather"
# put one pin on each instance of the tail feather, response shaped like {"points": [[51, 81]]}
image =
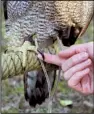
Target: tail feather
{"points": [[37, 92]]}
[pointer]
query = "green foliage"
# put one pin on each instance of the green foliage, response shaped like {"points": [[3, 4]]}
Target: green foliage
{"points": [[10, 111], [12, 90], [66, 102], [62, 87], [88, 36]]}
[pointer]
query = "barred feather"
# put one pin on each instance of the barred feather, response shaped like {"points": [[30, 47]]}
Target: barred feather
{"points": [[46, 19]]}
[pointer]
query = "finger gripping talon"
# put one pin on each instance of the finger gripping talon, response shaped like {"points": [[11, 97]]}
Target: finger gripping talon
{"points": [[42, 54]]}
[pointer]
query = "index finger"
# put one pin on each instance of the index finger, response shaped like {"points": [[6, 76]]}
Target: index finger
{"points": [[52, 59]]}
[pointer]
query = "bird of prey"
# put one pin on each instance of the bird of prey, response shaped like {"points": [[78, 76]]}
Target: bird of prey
{"points": [[48, 20]]}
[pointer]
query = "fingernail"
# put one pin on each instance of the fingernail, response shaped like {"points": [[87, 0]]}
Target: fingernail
{"points": [[40, 56], [88, 61], [84, 55]]}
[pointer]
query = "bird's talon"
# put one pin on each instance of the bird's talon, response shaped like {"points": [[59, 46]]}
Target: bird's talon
{"points": [[24, 48], [5, 51], [23, 68], [40, 52]]}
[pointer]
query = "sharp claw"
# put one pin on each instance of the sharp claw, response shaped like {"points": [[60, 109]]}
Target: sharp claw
{"points": [[23, 68], [5, 51], [41, 54]]}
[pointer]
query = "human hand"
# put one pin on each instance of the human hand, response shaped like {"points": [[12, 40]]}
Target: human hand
{"points": [[78, 71], [78, 68], [77, 65]]}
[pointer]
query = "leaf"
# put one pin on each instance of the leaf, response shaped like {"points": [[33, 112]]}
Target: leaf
{"points": [[66, 102]]}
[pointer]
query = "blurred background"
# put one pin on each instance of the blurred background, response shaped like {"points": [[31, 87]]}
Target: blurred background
{"points": [[65, 100]]}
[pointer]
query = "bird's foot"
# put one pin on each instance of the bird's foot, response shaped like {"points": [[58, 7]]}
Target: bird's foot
{"points": [[24, 48]]}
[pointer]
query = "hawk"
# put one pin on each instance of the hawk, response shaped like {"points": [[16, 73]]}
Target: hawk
{"points": [[48, 20]]}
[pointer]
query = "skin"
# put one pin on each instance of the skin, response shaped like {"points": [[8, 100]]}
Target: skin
{"points": [[77, 63]]}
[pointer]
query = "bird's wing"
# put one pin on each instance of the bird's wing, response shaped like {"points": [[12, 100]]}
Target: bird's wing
{"points": [[16, 9]]}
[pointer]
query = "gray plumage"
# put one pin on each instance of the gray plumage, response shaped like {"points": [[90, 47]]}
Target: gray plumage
{"points": [[29, 17]]}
